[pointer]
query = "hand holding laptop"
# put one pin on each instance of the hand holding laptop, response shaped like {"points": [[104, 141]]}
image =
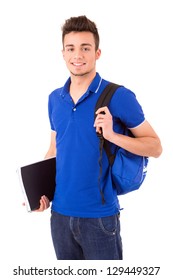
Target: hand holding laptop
{"points": [[44, 204], [38, 183]]}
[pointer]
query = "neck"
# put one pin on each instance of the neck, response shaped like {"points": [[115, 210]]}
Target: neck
{"points": [[79, 85], [82, 82]]}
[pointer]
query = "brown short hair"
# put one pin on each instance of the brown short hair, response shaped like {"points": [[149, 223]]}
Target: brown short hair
{"points": [[79, 24]]}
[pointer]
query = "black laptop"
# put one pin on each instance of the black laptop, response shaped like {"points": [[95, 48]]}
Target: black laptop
{"points": [[37, 179]]}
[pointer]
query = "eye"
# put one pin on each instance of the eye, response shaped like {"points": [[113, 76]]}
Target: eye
{"points": [[85, 49], [70, 49]]}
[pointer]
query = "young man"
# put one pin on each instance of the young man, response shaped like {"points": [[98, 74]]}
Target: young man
{"points": [[82, 226]]}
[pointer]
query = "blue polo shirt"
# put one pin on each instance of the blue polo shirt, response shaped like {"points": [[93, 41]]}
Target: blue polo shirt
{"points": [[77, 169]]}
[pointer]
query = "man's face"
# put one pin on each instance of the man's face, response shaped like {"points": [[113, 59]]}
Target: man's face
{"points": [[79, 53]]}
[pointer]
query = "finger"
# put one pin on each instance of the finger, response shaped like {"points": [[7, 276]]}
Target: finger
{"points": [[46, 202], [99, 120], [99, 123], [98, 129], [102, 110], [42, 206]]}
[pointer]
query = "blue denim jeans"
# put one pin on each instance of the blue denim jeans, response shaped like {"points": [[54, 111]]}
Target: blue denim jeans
{"points": [[86, 238]]}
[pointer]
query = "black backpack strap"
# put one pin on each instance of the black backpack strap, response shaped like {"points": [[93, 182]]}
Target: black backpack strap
{"points": [[106, 95], [102, 101]]}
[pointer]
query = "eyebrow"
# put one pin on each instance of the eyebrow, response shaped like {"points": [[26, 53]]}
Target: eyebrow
{"points": [[82, 45]]}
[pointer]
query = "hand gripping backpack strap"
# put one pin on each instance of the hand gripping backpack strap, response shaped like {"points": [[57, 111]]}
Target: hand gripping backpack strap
{"points": [[102, 101]]}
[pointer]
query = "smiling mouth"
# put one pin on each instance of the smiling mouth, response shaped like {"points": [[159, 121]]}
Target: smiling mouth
{"points": [[78, 64]]}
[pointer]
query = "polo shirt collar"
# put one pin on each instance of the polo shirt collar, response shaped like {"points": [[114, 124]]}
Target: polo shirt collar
{"points": [[93, 87]]}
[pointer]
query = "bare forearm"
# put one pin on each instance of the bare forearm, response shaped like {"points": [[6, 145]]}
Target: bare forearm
{"points": [[144, 146], [52, 148]]}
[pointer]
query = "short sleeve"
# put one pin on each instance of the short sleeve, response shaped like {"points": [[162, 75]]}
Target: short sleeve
{"points": [[126, 108], [50, 110]]}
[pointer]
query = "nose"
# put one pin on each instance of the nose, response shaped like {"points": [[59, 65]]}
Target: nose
{"points": [[78, 54]]}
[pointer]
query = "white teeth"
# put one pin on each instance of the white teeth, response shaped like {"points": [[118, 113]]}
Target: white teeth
{"points": [[77, 64]]}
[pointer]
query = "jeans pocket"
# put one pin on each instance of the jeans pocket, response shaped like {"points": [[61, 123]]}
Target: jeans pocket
{"points": [[108, 224]]}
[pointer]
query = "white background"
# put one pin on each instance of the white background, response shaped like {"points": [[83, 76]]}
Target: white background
{"points": [[136, 43]]}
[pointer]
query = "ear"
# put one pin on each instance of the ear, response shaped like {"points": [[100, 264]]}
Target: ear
{"points": [[98, 53], [63, 54]]}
